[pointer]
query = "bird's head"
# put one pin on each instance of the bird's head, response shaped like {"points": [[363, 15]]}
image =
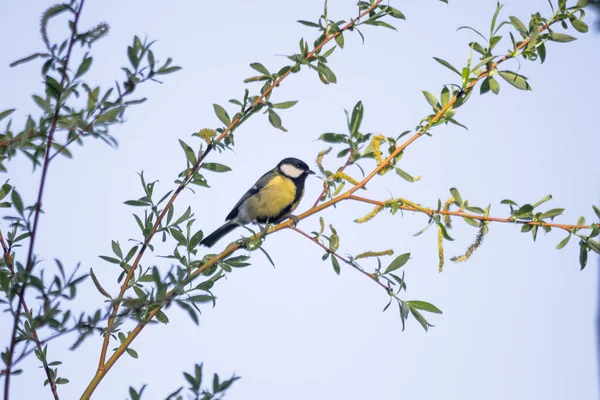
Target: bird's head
{"points": [[294, 168]]}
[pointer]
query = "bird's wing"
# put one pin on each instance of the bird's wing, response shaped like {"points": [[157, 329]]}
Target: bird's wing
{"points": [[261, 183]]}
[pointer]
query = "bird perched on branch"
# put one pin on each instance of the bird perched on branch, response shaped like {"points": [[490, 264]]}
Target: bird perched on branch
{"points": [[272, 199]]}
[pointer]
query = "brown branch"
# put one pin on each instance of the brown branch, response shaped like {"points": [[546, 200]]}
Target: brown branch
{"points": [[373, 277], [38, 206], [431, 212], [36, 339], [103, 366]]}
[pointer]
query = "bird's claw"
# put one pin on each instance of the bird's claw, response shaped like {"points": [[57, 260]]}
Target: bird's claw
{"points": [[295, 220]]}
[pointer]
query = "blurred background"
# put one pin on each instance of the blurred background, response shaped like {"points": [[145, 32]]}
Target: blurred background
{"points": [[519, 317]]}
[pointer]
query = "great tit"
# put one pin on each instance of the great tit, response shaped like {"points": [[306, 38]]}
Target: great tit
{"points": [[272, 199]]}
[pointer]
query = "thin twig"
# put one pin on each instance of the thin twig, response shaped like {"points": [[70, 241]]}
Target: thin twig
{"points": [[36, 339], [373, 277], [432, 212], [38, 206]]}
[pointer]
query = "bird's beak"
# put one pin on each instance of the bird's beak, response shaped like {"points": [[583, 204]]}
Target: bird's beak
{"points": [[310, 172]]}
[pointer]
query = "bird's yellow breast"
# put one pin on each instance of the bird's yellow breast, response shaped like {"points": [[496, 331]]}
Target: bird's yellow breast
{"points": [[272, 200]]}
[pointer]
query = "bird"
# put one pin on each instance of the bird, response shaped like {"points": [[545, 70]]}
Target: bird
{"points": [[272, 199]]}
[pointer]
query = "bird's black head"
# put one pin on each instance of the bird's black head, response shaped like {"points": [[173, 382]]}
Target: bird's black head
{"points": [[294, 168]]}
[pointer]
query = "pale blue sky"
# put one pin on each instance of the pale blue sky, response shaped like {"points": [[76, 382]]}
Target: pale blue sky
{"points": [[518, 318]]}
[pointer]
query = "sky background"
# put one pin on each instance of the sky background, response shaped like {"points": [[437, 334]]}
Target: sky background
{"points": [[519, 316]]}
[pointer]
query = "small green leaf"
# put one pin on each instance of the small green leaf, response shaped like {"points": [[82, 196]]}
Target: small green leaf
{"points": [[6, 188], [84, 67], [454, 192], [447, 65], [561, 37], [357, 117], [405, 175], [336, 264], [132, 353], [109, 116], [260, 68], [583, 254], [596, 210], [17, 201], [215, 167], [516, 22], [422, 305], [518, 81], [580, 26], [285, 104], [552, 213], [431, 99], [98, 286], [6, 113], [222, 114], [333, 138], [397, 263], [563, 242], [274, 119], [136, 203]]}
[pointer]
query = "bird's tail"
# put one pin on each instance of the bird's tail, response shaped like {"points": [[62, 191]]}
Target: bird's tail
{"points": [[214, 237]]}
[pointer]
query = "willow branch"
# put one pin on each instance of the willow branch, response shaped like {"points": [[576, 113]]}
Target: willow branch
{"points": [[36, 339], [431, 212], [104, 366], [333, 253], [38, 205]]}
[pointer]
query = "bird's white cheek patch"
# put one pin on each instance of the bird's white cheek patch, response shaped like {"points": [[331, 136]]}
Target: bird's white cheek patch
{"points": [[291, 171]]}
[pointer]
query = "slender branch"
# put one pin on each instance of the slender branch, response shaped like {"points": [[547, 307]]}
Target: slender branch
{"points": [[373, 277], [432, 212], [101, 365], [38, 205], [104, 367], [36, 339]]}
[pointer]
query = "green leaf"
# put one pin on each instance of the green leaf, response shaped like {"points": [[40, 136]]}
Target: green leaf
{"points": [[422, 305], [357, 117], [222, 114], [4, 190], [215, 167], [447, 65], [456, 195], [552, 213], [393, 12], [419, 318], [136, 203], [336, 264], [596, 210], [397, 263], [274, 119], [110, 259], [339, 39], [132, 353], [17, 201], [308, 23], [405, 175], [595, 246], [285, 104], [518, 81], [109, 116], [583, 254], [445, 96], [84, 67], [431, 99], [116, 249], [260, 68], [333, 137], [563, 242], [98, 286], [6, 113], [516, 22], [580, 26], [561, 37]]}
